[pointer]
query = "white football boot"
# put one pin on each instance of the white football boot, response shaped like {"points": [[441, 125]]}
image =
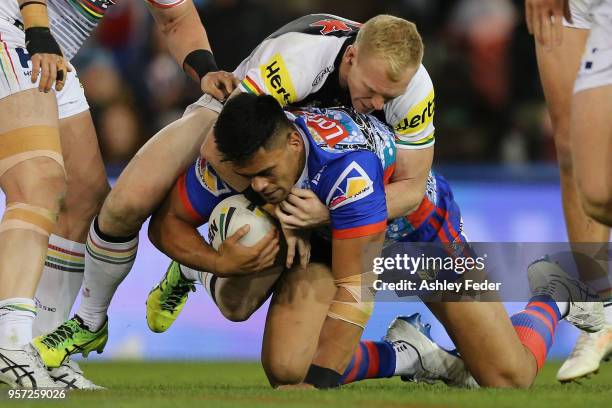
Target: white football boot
{"points": [[70, 376], [24, 369], [586, 310], [590, 350], [434, 362]]}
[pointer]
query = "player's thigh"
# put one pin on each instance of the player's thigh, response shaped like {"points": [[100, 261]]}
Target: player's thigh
{"points": [[295, 318], [592, 142], [30, 151], [152, 172], [487, 341], [558, 67], [86, 175], [239, 297]]}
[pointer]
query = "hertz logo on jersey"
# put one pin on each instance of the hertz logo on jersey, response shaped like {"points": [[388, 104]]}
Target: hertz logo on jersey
{"points": [[352, 185], [277, 80], [419, 117]]}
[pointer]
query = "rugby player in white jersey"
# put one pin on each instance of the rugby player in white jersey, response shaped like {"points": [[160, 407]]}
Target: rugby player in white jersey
{"points": [[50, 168], [560, 43]]}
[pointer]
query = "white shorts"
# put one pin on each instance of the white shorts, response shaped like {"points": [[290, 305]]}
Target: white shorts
{"points": [[16, 68], [596, 65], [579, 9]]}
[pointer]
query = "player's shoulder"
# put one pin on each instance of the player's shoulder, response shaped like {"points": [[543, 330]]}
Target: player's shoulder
{"points": [[402, 111], [411, 114]]}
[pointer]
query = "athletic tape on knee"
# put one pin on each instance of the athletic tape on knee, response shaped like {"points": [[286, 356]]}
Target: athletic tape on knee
{"points": [[28, 217], [27, 143], [361, 289]]}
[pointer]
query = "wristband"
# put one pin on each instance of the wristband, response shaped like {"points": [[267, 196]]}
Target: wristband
{"points": [[322, 378], [39, 40], [201, 61], [29, 3]]}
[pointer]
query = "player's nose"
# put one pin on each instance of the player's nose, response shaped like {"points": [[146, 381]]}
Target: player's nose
{"points": [[259, 184], [378, 102]]}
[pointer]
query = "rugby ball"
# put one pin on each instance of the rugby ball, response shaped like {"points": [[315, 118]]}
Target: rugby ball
{"points": [[231, 214]]}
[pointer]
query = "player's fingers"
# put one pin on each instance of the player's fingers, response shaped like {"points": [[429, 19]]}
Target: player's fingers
{"points": [[236, 236], [268, 260], [291, 243], [558, 27], [304, 249], [228, 84], [214, 91], [45, 80], [265, 240], [52, 75], [291, 209], [299, 202], [547, 28], [537, 26], [36, 61], [567, 13], [303, 193]]}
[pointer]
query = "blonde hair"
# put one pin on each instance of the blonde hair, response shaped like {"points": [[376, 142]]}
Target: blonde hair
{"points": [[393, 39]]}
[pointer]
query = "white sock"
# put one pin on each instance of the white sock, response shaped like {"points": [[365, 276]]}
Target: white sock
{"points": [[59, 283], [190, 274], [16, 318], [563, 308], [106, 265], [205, 278]]}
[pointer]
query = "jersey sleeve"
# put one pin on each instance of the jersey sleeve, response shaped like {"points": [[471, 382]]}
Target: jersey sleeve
{"points": [[412, 113], [165, 3], [352, 187], [281, 67], [201, 189]]}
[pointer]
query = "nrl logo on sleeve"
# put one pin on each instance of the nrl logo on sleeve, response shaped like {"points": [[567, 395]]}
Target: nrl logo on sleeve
{"points": [[352, 185], [209, 179], [277, 80], [418, 118]]}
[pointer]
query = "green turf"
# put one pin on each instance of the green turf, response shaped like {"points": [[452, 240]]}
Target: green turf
{"points": [[244, 385]]}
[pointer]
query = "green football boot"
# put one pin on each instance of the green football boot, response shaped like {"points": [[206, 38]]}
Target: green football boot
{"points": [[167, 298], [71, 337]]}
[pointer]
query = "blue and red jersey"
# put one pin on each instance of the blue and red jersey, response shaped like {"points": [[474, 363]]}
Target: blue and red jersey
{"points": [[350, 157]]}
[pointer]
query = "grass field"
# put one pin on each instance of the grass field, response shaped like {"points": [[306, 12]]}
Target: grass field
{"points": [[244, 385]]}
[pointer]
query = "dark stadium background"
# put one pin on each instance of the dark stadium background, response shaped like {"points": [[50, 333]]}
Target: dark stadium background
{"points": [[494, 140]]}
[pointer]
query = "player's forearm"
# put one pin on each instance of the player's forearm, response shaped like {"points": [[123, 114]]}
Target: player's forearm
{"points": [[184, 34], [181, 242], [409, 181], [403, 197], [34, 15]]}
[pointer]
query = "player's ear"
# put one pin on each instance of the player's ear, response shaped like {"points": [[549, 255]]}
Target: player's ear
{"points": [[295, 141], [350, 55]]}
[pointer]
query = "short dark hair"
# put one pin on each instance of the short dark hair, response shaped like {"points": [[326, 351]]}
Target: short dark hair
{"points": [[246, 124]]}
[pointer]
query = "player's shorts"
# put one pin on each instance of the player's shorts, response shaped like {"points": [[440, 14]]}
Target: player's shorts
{"points": [[579, 10], [16, 69], [596, 65]]}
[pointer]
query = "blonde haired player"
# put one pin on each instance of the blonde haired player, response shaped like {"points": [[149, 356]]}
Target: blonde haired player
{"points": [[560, 44], [50, 166]]}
